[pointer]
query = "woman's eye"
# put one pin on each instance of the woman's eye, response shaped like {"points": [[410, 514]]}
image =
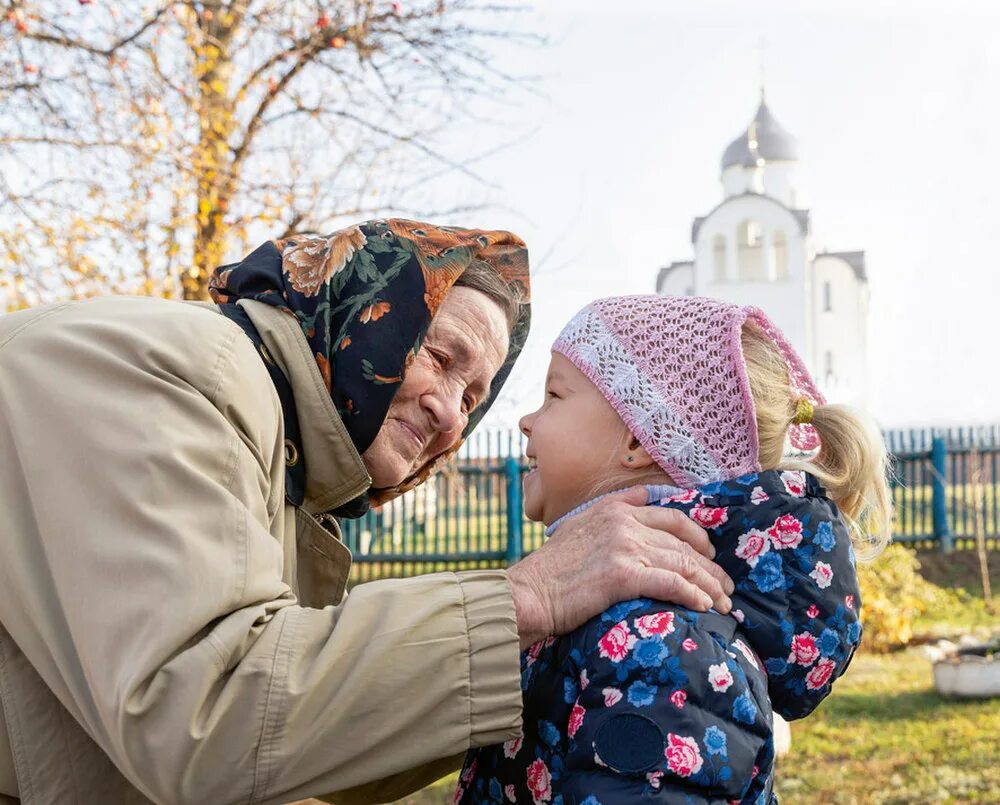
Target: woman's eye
{"points": [[552, 394]]}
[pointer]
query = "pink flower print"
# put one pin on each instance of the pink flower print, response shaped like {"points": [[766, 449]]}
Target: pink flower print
{"points": [[617, 643], [539, 782], [720, 677], [795, 482], [584, 681], [611, 696], [689, 644], [813, 611], [738, 614], [470, 772], [656, 623], [804, 650], [849, 601], [654, 779], [679, 698], [752, 545], [747, 652], [683, 497], [820, 675], [709, 516], [823, 575], [534, 651], [759, 496], [575, 720], [509, 792], [683, 757], [786, 532], [513, 746]]}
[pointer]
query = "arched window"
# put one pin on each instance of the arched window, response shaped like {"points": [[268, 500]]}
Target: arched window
{"points": [[780, 255], [719, 252], [750, 251]]}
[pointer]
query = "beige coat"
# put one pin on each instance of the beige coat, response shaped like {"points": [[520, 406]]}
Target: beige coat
{"points": [[170, 628]]}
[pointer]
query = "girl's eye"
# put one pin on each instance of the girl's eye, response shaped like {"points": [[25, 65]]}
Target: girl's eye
{"points": [[552, 394]]}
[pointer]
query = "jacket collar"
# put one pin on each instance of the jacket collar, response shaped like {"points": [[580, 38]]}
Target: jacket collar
{"points": [[335, 473]]}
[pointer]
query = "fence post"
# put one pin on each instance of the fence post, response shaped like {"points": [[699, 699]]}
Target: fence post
{"points": [[939, 465], [515, 514]]}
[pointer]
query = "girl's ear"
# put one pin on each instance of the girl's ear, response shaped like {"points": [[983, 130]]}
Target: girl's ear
{"points": [[634, 455]]}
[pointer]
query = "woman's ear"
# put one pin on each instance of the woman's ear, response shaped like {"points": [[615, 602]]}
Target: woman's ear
{"points": [[634, 455]]}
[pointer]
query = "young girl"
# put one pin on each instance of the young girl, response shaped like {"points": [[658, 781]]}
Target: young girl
{"points": [[698, 400]]}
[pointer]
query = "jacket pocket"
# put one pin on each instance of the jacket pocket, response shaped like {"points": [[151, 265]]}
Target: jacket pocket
{"points": [[323, 562]]}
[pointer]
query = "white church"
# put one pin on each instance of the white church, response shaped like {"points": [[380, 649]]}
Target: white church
{"points": [[755, 248]]}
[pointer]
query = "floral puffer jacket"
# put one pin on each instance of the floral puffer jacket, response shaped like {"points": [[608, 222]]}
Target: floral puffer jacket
{"points": [[651, 701]]}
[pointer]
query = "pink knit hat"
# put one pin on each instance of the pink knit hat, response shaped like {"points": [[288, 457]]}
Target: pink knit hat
{"points": [[673, 369]]}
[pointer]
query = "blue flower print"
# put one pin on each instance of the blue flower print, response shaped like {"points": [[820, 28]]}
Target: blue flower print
{"points": [[547, 732], [591, 800], [825, 537], [854, 632], [650, 652], [768, 574], [744, 709], [620, 610], [640, 694], [829, 642], [715, 741]]}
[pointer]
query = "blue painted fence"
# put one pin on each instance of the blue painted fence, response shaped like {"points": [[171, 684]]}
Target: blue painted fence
{"points": [[470, 516]]}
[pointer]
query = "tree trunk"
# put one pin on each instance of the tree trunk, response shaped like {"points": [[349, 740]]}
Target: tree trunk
{"points": [[213, 176]]}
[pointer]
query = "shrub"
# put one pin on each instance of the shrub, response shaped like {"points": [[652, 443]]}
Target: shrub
{"points": [[893, 596]]}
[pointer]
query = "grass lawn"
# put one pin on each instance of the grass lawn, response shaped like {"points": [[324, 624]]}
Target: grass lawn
{"points": [[884, 737]]}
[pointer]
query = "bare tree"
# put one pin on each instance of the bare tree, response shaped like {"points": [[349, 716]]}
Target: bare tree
{"points": [[140, 140]]}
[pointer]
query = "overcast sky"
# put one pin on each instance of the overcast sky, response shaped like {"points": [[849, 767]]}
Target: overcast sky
{"points": [[896, 106]]}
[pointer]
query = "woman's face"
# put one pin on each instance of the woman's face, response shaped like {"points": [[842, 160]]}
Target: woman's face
{"points": [[574, 442], [450, 376]]}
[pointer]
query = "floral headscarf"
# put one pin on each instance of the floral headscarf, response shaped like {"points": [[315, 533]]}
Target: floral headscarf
{"points": [[365, 297]]}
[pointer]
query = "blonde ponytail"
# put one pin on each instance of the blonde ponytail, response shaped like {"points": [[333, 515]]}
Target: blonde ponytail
{"points": [[852, 462]]}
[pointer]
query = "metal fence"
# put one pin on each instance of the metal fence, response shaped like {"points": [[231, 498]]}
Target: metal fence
{"points": [[945, 484]]}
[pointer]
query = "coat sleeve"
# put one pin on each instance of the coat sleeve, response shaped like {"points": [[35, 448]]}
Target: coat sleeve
{"points": [[665, 710], [142, 582]]}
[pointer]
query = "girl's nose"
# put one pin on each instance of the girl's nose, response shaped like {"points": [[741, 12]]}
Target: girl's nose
{"points": [[524, 424]]}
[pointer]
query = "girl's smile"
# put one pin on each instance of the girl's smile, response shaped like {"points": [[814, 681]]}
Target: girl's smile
{"points": [[578, 447]]}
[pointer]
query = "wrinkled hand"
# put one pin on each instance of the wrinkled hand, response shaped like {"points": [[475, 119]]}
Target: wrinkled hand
{"points": [[616, 550]]}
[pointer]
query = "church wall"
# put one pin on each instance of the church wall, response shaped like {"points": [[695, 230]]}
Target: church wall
{"points": [[679, 282], [839, 305], [783, 300], [775, 179]]}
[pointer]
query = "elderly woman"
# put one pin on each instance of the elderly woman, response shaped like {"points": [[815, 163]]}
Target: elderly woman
{"points": [[173, 622]]}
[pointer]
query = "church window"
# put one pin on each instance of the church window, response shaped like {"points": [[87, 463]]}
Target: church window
{"points": [[780, 255], [719, 252], [750, 251], [827, 297]]}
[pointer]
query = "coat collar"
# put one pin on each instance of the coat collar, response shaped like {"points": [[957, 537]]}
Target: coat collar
{"points": [[335, 473]]}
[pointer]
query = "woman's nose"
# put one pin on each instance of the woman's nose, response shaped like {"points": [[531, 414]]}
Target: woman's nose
{"points": [[445, 411]]}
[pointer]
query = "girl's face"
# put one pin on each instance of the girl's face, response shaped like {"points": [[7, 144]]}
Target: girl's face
{"points": [[576, 443]]}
